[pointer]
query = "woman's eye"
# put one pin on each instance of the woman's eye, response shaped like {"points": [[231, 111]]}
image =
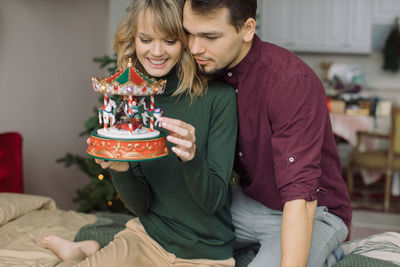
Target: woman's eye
{"points": [[170, 42], [211, 37], [145, 41]]}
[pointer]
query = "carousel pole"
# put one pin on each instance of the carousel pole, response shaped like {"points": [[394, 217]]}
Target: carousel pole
{"points": [[152, 112], [130, 113], [104, 107]]}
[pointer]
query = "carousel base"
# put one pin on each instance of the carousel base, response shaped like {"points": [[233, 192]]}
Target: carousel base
{"points": [[149, 145]]}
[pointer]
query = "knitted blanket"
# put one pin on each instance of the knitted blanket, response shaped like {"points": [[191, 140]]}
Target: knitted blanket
{"points": [[104, 229], [356, 260]]}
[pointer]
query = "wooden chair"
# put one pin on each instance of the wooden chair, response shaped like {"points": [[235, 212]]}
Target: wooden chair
{"points": [[387, 161]]}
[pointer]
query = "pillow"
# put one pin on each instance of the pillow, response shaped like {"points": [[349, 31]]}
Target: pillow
{"points": [[384, 246], [11, 179], [14, 205]]}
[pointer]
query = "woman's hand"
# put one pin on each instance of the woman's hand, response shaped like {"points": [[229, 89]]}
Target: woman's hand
{"points": [[182, 135], [119, 166]]}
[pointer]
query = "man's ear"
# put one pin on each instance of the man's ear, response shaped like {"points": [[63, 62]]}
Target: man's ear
{"points": [[249, 28]]}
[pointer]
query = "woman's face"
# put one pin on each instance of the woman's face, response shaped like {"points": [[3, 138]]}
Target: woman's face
{"points": [[157, 53]]}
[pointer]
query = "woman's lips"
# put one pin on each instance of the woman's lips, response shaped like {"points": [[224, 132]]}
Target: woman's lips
{"points": [[157, 63]]}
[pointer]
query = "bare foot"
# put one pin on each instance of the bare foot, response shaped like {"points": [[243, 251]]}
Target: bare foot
{"points": [[66, 249]]}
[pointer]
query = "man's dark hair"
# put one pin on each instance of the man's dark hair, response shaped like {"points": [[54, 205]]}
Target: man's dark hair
{"points": [[239, 10]]}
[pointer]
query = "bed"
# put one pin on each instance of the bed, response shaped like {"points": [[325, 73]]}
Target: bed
{"points": [[25, 218]]}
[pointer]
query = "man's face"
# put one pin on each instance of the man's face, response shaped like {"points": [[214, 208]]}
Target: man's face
{"points": [[213, 41]]}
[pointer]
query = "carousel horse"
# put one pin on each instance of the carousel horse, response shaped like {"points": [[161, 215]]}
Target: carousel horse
{"points": [[155, 114], [106, 113], [126, 121], [158, 112], [142, 102], [145, 116]]}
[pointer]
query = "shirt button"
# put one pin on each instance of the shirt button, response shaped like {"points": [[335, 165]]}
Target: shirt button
{"points": [[230, 74], [240, 154], [291, 159], [236, 90]]}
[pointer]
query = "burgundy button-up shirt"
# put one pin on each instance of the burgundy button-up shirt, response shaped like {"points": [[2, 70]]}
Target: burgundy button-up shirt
{"points": [[286, 148]]}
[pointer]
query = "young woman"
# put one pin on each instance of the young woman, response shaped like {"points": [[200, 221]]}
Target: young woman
{"points": [[182, 201]]}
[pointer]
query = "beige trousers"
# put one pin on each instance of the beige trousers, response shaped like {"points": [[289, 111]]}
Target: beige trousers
{"points": [[134, 247]]}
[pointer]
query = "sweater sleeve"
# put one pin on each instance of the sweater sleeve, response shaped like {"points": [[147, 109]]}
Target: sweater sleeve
{"points": [[208, 175], [133, 189]]}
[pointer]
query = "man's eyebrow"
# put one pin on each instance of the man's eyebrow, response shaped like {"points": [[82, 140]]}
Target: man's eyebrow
{"points": [[204, 33], [211, 33]]}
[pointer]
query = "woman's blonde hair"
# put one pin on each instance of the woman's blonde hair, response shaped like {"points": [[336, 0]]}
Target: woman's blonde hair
{"points": [[167, 18]]}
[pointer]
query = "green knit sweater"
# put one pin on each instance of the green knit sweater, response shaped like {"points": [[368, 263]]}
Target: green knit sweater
{"points": [[184, 206]]}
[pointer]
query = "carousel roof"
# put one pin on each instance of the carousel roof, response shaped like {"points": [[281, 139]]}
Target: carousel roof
{"points": [[129, 81]]}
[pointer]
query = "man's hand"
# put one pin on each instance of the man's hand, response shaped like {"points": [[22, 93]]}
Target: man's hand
{"points": [[182, 135]]}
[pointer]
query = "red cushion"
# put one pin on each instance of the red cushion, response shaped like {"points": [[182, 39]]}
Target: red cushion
{"points": [[11, 179]]}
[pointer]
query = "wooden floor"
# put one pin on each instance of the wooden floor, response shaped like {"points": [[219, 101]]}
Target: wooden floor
{"points": [[368, 216], [365, 223]]}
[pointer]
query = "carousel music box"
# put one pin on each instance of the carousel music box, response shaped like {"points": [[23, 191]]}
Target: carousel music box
{"points": [[128, 117]]}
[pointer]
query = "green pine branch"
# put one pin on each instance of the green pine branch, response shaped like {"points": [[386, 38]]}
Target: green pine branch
{"points": [[107, 61], [99, 193]]}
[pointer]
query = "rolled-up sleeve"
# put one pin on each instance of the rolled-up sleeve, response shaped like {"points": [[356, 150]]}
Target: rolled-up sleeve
{"points": [[299, 115]]}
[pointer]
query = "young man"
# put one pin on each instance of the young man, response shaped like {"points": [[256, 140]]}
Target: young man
{"points": [[292, 200]]}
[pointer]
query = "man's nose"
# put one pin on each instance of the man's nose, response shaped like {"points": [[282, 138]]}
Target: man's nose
{"points": [[195, 46]]}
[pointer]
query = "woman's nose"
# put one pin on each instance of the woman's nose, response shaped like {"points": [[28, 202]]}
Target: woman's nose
{"points": [[157, 49]]}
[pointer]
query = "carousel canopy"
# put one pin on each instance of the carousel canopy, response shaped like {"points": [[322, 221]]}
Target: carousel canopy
{"points": [[129, 81]]}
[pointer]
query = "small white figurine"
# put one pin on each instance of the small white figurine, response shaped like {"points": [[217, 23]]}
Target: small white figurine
{"points": [[106, 114], [158, 112], [145, 116]]}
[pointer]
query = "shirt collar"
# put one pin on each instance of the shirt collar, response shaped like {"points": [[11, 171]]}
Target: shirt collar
{"points": [[249, 59]]}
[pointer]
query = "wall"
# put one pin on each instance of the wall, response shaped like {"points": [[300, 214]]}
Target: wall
{"points": [[46, 52], [117, 13]]}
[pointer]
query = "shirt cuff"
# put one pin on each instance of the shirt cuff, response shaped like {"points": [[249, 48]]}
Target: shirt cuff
{"points": [[121, 175], [304, 190]]}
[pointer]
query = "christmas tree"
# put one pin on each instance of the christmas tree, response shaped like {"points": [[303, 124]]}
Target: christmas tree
{"points": [[99, 193]]}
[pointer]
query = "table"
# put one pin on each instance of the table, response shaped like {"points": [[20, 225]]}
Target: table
{"points": [[346, 127]]}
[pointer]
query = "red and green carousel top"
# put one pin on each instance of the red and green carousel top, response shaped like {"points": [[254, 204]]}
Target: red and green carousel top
{"points": [[129, 81]]}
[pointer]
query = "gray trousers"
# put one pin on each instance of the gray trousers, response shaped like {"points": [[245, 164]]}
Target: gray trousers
{"points": [[256, 223]]}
